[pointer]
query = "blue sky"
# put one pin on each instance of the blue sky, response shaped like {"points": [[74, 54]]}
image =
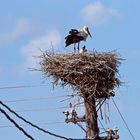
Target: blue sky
{"points": [[28, 26]]}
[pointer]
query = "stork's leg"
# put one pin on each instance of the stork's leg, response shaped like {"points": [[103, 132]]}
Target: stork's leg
{"points": [[74, 48], [78, 46]]}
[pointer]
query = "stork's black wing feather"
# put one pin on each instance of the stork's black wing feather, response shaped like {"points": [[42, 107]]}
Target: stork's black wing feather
{"points": [[72, 38], [73, 31]]}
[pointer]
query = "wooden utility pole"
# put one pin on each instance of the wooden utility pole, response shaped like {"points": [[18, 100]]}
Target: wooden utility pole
{"points": [[91, 118]]}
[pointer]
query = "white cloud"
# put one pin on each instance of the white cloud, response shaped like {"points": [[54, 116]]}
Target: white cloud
{"points": [[98, 14], [42, 43], [21, 27]]}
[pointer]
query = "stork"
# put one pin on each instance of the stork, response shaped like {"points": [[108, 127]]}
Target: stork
{"points": [[77, 35], [83, 50]]}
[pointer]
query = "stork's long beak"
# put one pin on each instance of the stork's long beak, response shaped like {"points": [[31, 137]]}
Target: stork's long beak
{"points": [[89, 33]]}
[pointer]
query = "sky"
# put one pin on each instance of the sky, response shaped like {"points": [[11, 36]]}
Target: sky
{"points": [[29, 27]]}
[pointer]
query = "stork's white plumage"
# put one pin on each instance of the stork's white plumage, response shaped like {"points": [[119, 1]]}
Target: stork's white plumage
{"points": [[83, 50], [84, 32], [77, 35]]}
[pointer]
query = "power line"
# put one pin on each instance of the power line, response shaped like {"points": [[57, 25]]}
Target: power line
{"points": [[33, 125], [123, 119], [21, 86], [36, 99], [81, 127], [38, 110], [46, 123], [29, 100], [16, 125], [101, 124]]}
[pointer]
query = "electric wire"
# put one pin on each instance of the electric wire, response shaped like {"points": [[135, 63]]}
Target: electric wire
{"points": [[38, 110], [25, 125], [81, 127], [36, 99], [30, 123], [101, 124], [21, 86], [16, 125], [123, 119]]}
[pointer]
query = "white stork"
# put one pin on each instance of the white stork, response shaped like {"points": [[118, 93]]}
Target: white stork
{"points": [[77, 35], [83, 50]]}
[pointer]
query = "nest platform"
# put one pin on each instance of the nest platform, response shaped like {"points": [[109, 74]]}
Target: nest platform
{"points": [[93, 74]]}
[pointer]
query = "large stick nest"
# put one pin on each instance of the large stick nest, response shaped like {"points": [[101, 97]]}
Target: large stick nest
{"points": [[93, 74]]}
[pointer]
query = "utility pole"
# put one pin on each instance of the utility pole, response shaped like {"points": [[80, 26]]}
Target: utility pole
{"points": [[91, 117]]}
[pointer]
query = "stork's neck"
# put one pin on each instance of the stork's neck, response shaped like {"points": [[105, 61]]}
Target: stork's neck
{"points": [[83, 34]]}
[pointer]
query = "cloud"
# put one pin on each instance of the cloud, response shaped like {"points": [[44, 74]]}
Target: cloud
{"points": [[41, 43], [98, 14], [21, 27]]}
